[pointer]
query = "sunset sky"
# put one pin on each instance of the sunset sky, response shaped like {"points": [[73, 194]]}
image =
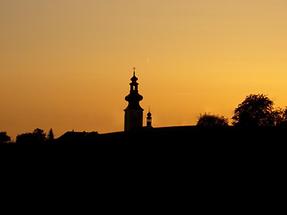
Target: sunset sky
{"points": [[66, 64]]}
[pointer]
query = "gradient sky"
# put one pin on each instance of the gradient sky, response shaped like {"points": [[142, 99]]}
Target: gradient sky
{"points": [[66, 64]]}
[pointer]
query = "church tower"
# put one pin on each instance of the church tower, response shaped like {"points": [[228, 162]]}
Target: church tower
{"points": [[134, 112]]}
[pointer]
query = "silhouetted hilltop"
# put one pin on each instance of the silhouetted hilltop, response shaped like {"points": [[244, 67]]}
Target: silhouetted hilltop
{"points": [[179, 136], [72, 137]]}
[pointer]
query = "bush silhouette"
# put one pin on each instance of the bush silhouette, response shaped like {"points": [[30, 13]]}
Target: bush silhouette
{"points": [[4, 138], [212, 121]]}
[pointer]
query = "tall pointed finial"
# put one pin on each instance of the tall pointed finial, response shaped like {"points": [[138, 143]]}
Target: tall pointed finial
{"points": [[134, 71]]}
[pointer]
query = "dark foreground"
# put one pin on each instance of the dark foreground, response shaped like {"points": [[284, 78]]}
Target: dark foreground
{"points": [[175, 147]]}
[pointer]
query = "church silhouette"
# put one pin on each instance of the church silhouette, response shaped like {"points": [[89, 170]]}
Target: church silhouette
{"points": [[134, 112]]}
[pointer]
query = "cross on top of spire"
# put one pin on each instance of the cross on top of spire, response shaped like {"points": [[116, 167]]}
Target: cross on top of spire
{"points": [[134, 69], [134, 78]]}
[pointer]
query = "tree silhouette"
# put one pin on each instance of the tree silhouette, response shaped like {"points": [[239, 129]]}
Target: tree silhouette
{"points": [[37, 137], [50, 136], [255, 111], [284, 121], [280, 117], [212, 121], [4, 138]]}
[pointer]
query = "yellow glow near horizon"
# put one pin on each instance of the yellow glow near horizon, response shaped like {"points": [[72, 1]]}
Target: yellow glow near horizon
{"points": [[66, 64]]}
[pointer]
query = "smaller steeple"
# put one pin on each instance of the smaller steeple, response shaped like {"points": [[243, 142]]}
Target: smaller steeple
{"points": [[149, 120]]}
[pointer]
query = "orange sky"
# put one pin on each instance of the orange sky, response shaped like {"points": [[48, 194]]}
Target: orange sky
{"points": [[66, 64]]}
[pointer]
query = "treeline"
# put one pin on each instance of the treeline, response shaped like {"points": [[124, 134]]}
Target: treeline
{"points": [[256, 111], [38, 136]]}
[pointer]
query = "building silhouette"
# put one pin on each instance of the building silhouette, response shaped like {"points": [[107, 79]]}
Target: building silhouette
{"points": [[133, 112], [149, 120]]}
